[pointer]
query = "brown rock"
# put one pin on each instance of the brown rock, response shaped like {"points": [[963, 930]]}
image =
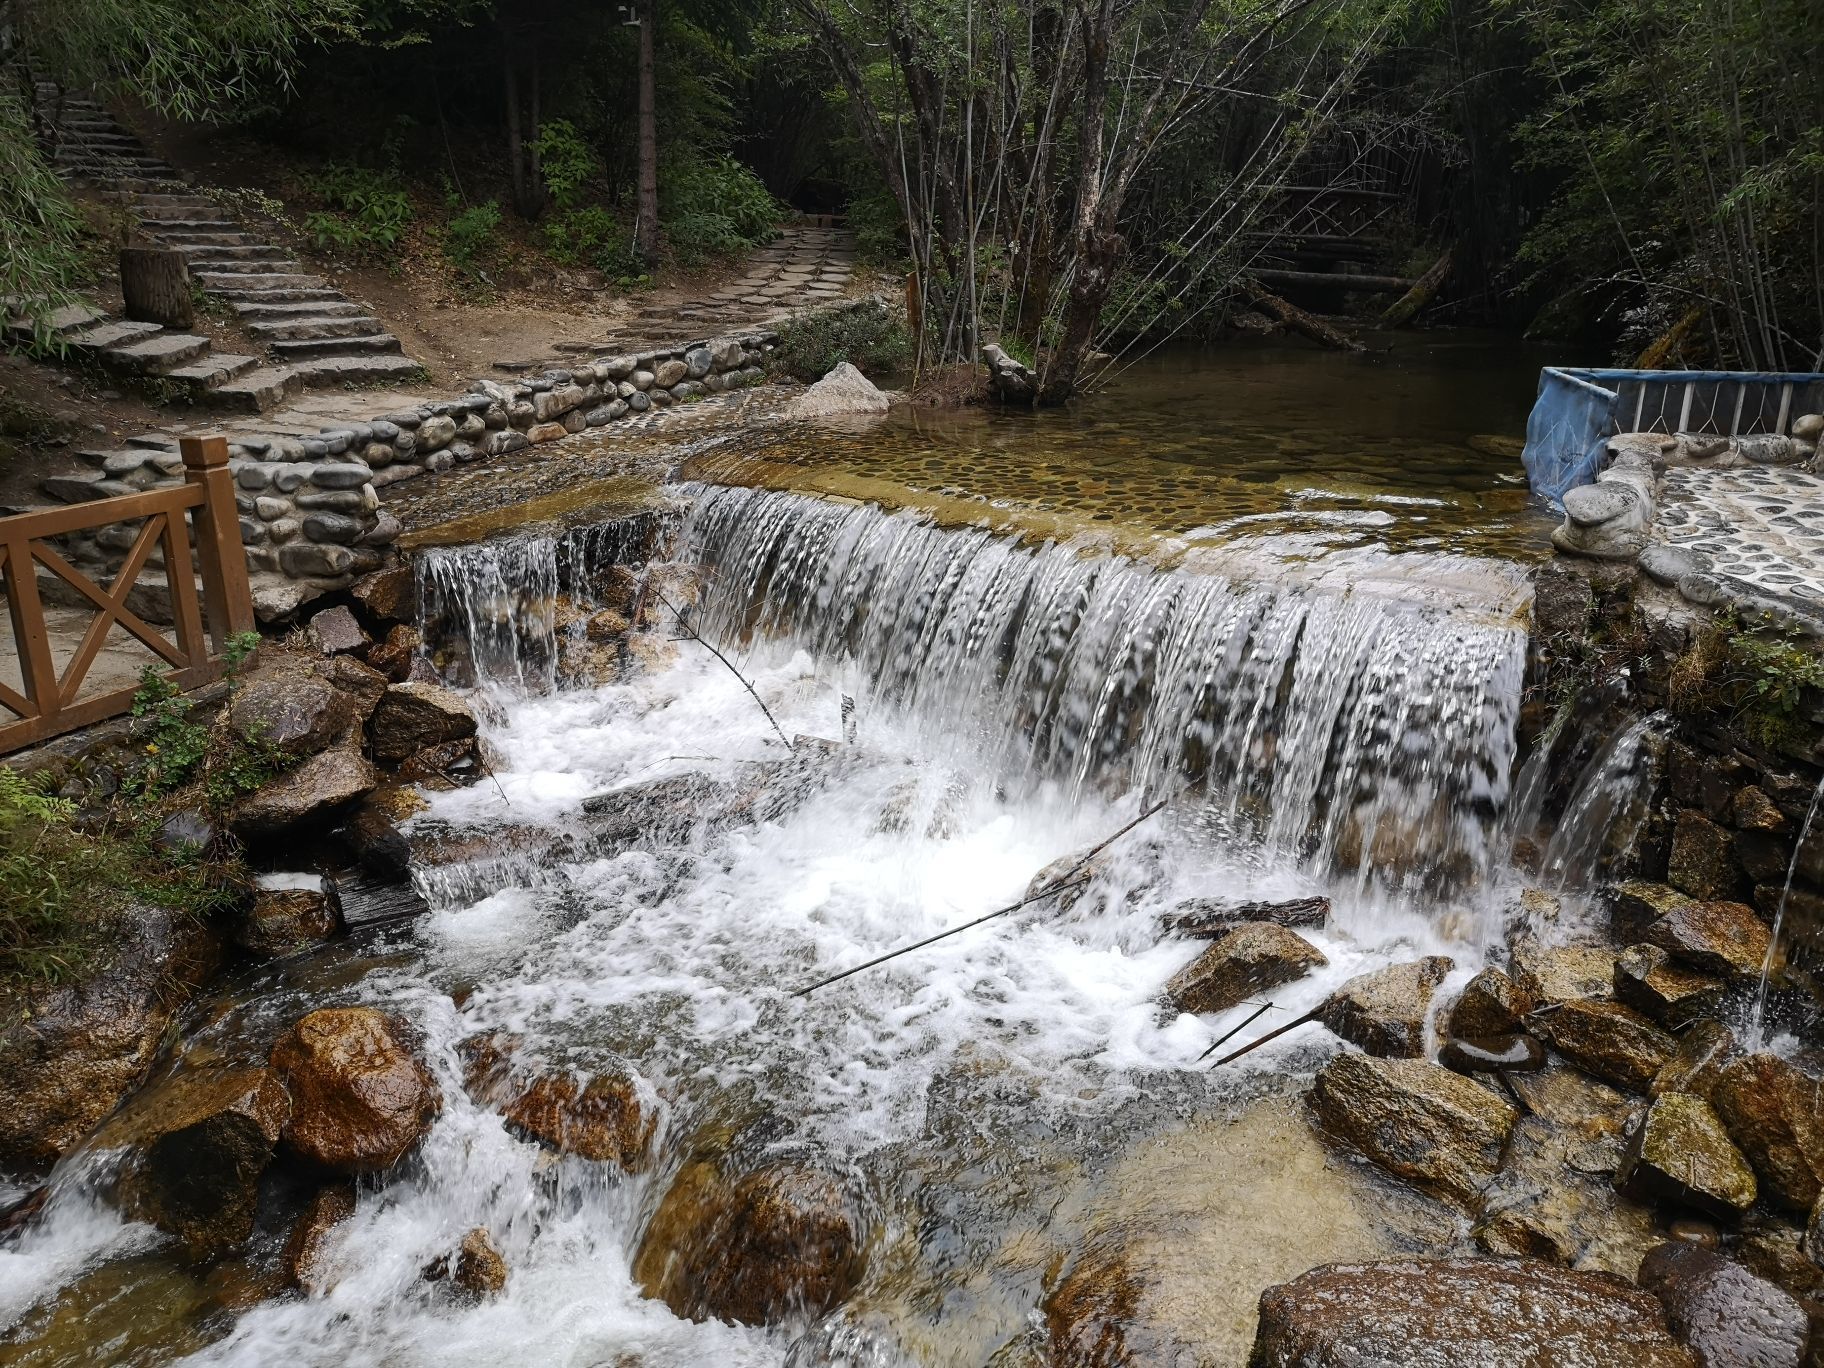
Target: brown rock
{"points": [[1615, 1043], [480, 1270], [1417, 1120], [1491, 1004], [1551, 974], [1753, 810], [362, 684], [1702, 863], [360, 1096], [441, 767], [606, 627], [1698, 1062], [283, 921], [300, 714], [1721, 938], [610, 1116], [1722, 1311], [387, 596], [393, 657], [1680, 1153], [1250, 959], [1774, 1252], [413, 716], [335, 631], [309, 795], [1437, 1313], [1096, 1316], [1647, 981], [197, 1143], [1775, 1115], [305, 1261], [1383, 1011]]}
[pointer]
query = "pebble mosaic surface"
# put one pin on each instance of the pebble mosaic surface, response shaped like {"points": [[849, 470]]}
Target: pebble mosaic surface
{"points": [[1759, 524]]}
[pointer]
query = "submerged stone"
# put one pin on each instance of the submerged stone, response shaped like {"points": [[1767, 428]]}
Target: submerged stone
{"points": [[1250, 959], [1547, 1203], [1384, 1011], [608, 1116], [1680, 1153]]}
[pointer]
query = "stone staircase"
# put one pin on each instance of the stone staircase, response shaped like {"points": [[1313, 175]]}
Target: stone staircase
{"points": [[312, 334]]}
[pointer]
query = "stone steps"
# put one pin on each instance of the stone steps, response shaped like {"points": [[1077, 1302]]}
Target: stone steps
{"points": [[316, 327], [240, 284], [256, 391], [257, 313], [157, 355], [298, 348], [112, 334], [229, 256], [325, 372], [213, 371]]}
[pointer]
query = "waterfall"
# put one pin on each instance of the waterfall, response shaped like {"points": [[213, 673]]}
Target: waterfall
{"points": [[1607, 808], [1355, 731], [1757, 1026]]}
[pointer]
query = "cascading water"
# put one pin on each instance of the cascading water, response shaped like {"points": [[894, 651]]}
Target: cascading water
{"points": [[1607, 807], [1757, 1025]]}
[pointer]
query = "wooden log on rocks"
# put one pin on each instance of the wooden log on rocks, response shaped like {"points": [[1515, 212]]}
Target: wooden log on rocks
{"points": [[1295, 318], [155, 284], [1338, 280], [1208, 918]]}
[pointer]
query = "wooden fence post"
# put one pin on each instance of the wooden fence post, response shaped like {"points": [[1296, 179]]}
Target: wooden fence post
{"points": [[220, 556]]}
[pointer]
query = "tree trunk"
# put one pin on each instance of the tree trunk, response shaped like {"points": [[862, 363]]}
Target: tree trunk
{"points": [[156, 286], [646, 211], [1404, 309], [1297, 319]]}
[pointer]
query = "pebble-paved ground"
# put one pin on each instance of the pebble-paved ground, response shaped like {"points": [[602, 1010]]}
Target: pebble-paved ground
{"points": [[1761, 524]]}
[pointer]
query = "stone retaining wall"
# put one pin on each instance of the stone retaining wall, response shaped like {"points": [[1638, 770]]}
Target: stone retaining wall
{"points": [[311, 515]]}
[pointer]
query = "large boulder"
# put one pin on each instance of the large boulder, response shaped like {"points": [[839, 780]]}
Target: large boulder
{"points": [[1727, 1314], [1726, 939], [608, 1116], [196, 1144], [69, 1054], [1443, 1313], [1680, 1153], [360, 1095], [413, 716], [766, 1234], [1417, 1120], [1250, 959], [1384, 1011], [1615, 1043], [843, 391], [300, 714], [309, 795], [1775, 1114], [1554, 1199]]}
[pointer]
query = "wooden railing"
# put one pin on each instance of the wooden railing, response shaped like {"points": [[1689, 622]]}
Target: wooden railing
{"points": [[49, 703]]}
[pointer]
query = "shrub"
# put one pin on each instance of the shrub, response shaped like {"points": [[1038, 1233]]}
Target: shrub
{"points": [[714, 206], [369, 210], [868, 337], [180, 749], [594, 237], [469, 236], [565, 161]]}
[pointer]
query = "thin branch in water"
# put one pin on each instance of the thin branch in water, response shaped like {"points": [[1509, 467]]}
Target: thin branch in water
{"points": [[691, 632]]}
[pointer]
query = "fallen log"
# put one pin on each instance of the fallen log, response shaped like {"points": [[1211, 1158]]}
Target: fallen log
{"points": [[1208, 918], [1295, 318], [1404, 309], [1338, 280]]}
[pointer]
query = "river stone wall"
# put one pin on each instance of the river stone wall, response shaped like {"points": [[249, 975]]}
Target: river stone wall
{"points": [[311, 515]]}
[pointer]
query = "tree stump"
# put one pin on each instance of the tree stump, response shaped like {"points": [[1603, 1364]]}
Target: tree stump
{"points": [[156, 286]]}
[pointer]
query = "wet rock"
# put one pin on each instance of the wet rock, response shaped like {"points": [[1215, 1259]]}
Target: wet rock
{"points": [[1094, 1316], [610, 1116], [1680, 1153], [186, 833], [284, 920], [1384, 1011], [1775, 1252], [1592, 1116], [392, 659], [360, 1096], [1549, 1203], [1753, 810], [1698, 1062], [1732, 1318], [1415, 1119], [1208, 918], [1518, 1053], [1647, 981], [1438, 1313], [1250, 959], [362, 684], [309, 795], [1775, 1115], [379, 846], [1562, 973], [305, 1261], [478, 1271], [1701, 863], [69, 1054], [1490, 1005], [335, 631], [412, 717], [450, 765], [780, 1241], [1615, 1043], [196, 1145], [299, 714], [658, 808], [1721, 938], [387, 596]]}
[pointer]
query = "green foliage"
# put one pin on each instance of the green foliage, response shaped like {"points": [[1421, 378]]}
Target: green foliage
{"points": [[868, 338], [715, 206], [369, 210], [566, 162], [470, 236], [1763, 682], [40, 231], [179, 749], [594, 237]]}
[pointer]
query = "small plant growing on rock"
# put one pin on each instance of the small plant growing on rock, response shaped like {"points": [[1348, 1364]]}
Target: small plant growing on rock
{"points": [[179, 749]]}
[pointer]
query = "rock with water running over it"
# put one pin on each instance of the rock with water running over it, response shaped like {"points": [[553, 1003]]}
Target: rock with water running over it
{"points": [[360, 1096], [1775, 1115], [1678, 1152], [609, 1116], [305, 1261], [1417, 1120], [764, 1234], [1674, 996], [477, 1270], [1702, 862], [284, 918], [1721, 938], [1615, 1043], [1562, 973], [1555, 1199], [411, 717], [309, 795], [1383, 1011], [299, 714], [1696, 1065], [1208, 918], [1491, 1004], [1445, 1313], [196, 1144], [1725, 1313], [1250, 959]]}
